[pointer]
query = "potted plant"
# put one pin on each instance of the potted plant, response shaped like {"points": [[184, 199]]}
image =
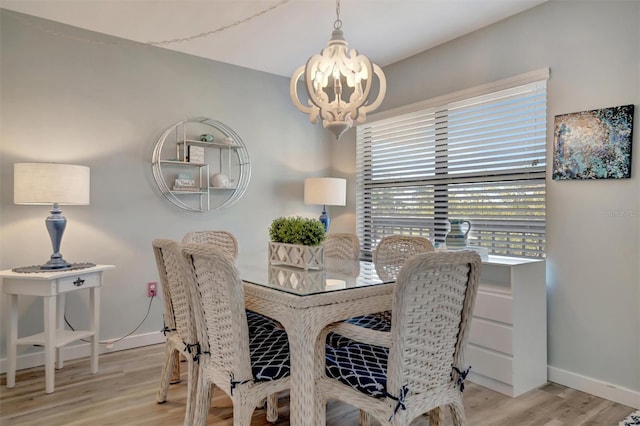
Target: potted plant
{"points": [[296, 241]]}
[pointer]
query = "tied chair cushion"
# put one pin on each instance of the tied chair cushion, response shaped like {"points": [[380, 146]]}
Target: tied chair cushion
{"points": [[258, 322], [378, 322], [269, 353], [359, 365]]}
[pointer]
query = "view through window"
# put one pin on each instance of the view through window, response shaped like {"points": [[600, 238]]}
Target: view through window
{"points": [[479, 158]]}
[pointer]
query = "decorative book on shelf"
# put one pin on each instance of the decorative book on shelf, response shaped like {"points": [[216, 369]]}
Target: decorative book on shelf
{"points": [[184, 182]]}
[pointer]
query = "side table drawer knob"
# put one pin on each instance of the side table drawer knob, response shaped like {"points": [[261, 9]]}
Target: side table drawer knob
{"points": [[78, 282]]}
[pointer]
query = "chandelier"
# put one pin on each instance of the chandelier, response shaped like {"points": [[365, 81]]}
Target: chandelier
{"points": [[338, 84]]}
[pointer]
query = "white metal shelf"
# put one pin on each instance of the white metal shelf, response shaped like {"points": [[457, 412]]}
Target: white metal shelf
{"points": [[231, 159]]}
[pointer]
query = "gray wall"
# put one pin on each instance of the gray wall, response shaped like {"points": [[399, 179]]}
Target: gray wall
{"points": [[593, 227], [104, 102], [104, 106]]}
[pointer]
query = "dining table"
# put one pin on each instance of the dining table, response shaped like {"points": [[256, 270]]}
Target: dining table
{"points": [[306, 301]]}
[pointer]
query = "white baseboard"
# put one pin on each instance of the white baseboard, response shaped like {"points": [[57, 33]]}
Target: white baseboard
{"points": [[36, 359], [594, 387]]}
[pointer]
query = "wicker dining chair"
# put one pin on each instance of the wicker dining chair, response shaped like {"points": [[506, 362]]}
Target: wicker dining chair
{"points": [[342, 246], [180, 330], [179, 327], [390, 254], [227, 241], [393, 250], [248, 365], [222, 239], [415, 368]]}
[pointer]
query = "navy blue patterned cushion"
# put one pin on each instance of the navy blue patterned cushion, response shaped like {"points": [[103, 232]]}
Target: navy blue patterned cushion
{"points": [[258, 322], [361, 366], [373, 322], [269, 352]]}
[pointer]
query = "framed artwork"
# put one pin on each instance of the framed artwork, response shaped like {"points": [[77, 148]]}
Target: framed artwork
{"points": [[593, 144]]}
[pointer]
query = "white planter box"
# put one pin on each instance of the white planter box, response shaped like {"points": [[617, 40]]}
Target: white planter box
{"points": [[299, 256]]}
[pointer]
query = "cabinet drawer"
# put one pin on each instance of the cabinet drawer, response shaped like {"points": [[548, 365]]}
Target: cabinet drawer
{"points": [[494, 306], [491, 335], [75, 282], [490, 364]]}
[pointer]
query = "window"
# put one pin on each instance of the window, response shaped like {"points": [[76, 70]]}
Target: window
{"points": [[478, 155]]}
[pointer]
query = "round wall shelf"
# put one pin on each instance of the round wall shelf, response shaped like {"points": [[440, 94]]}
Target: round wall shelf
{"points": [[201, 165]]}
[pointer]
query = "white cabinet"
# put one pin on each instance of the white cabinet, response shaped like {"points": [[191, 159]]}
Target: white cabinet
{"points": [[199, 173], [507, 347]]}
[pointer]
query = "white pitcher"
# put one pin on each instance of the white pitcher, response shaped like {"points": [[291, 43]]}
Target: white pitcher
{"points": [[456, 238]]}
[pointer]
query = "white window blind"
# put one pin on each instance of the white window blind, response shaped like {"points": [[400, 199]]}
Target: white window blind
{"points": [[482, 159]]}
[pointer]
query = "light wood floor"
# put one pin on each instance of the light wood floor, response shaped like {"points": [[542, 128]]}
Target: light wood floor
{"points": [[123, 393]]}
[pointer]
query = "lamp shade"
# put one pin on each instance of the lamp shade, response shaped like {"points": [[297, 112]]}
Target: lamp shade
{"points": [[326, 191], [49, 183]]}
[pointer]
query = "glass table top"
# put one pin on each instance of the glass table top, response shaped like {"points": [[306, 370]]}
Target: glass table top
{"points": [[336, 275]]}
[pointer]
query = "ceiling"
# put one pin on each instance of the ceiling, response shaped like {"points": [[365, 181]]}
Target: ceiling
{"points": [[286, 34]]}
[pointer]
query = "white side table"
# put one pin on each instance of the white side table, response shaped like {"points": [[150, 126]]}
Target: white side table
{"points": [[52, 286]]}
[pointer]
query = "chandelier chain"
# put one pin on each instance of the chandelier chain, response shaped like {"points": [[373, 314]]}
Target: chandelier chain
{"points": [[153, 43], [338, 23]]}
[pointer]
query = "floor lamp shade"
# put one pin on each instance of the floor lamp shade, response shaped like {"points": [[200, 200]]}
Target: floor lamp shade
{"points": [[325, 191], [56, 184]]}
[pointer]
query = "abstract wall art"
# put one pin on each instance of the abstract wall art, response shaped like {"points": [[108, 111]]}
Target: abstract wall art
{"points": [[593, 144]]}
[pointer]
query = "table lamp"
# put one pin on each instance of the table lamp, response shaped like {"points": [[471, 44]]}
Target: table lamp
{"points": [[326, 191], [52, 183]]}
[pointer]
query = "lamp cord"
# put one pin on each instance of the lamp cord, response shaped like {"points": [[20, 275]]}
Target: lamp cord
{"points": [[338, 23], [111, 342]]}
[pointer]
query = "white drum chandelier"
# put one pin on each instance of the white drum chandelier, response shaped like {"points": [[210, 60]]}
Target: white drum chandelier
{"points": [[338, 84]]}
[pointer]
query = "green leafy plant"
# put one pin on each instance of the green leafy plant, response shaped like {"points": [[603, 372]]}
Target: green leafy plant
{"points": [[297, 230]]}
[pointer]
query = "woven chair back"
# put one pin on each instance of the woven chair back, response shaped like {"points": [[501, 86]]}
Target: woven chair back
{"points": [[342, 246], [223, 239], [394, 250], [218, 305], [433, 302], [176, 293]]}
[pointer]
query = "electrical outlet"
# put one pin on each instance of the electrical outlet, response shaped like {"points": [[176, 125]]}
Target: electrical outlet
{"points": [[152, 289]]}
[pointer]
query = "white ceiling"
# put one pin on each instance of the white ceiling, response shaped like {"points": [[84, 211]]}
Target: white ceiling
{"points": [[282, 38]]}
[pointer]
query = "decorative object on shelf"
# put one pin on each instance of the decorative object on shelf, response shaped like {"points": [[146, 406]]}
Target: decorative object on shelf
{"points": [[457, 238], [188, 185], [219, 180], [185, 183], [206, 137], [196, 154], [52, 183], [180, 156], [593, 144], [296, 241], [326, 191], [338, 84]]}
